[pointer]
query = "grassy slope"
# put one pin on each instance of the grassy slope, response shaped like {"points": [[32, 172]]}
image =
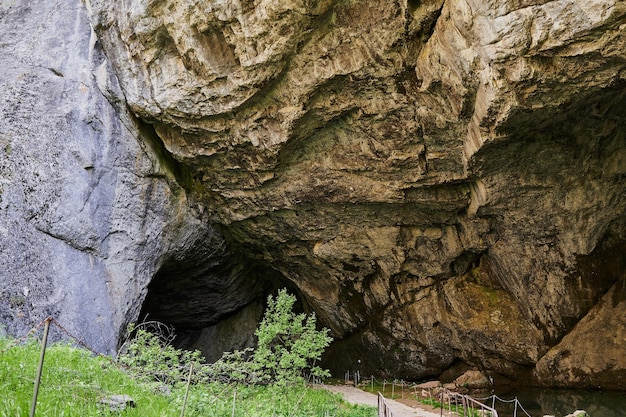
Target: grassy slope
{"points": [[73, 382]]}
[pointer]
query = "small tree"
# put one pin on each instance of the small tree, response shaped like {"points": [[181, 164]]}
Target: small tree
{"points": [[289, 344]]}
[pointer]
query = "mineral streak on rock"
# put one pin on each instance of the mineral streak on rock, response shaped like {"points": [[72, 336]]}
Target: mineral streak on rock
{"points": [[441, 181]]}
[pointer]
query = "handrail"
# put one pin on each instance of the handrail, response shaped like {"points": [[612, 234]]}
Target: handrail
{"points": [[383, 407], [467, 402]]}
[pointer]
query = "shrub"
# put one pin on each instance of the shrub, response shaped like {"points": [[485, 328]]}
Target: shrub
{"points": [[289, 344], [152, 357]]}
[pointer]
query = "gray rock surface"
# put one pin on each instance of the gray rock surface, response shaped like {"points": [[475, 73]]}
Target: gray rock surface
{"points": [[118, 402], [88, 212]]}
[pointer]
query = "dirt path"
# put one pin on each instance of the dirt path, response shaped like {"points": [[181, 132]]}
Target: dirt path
{"points": [[356, 396]]}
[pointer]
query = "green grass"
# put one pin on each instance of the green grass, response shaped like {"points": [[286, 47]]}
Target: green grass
{"points": [[217, 400], [73, 381], [390, 389]]}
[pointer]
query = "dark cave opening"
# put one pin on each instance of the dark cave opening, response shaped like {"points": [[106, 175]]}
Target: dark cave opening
{"points": [[212, 298], [190, 298], [213, 307]]}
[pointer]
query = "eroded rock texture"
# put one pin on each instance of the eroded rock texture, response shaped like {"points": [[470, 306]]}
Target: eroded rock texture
{"points": [[441, 181]]}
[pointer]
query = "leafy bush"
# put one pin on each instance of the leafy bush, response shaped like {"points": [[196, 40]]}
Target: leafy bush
{"points": [[289, 345], [153, 357], [234, 367]]}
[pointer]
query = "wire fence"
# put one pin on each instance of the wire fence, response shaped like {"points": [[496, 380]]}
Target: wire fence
{"points": [[452, 402], [467, 405], [517, 405]]}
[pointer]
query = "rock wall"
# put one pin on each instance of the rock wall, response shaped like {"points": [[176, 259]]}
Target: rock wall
{"points": [[442, 182], [90, 208]]}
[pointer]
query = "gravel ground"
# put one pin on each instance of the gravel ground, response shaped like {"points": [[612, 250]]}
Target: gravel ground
{"points": [[357, 396]]}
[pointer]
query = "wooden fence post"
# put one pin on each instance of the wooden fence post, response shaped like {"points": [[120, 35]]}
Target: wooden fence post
{"points": [[182, 412], [33, 405]]}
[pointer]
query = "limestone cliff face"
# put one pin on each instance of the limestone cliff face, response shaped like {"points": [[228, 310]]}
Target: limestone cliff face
{"points": [[442, 182]]}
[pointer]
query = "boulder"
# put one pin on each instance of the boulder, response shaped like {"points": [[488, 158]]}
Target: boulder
{"points": [[473, 380], [578, 413], [117, 402]]}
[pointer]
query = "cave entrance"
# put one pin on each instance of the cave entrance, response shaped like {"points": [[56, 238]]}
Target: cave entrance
{"points": [[214, 305]]}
